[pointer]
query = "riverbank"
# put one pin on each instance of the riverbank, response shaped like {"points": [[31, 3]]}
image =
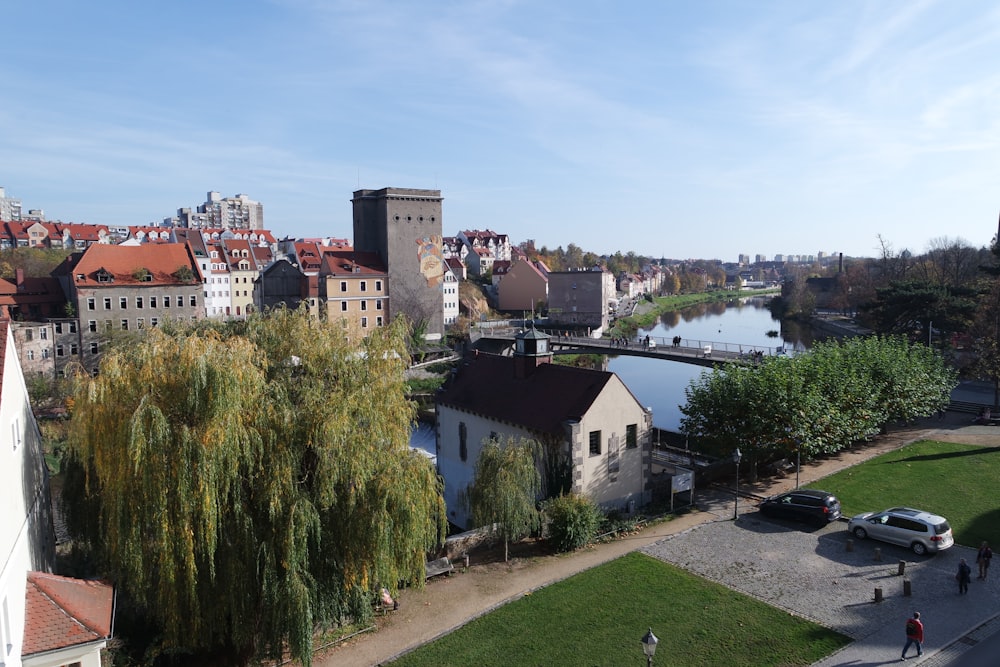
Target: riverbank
{"points": [[647, 312]]}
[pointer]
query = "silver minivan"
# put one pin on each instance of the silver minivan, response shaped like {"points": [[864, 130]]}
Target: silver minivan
{"points": [[915, 529]]}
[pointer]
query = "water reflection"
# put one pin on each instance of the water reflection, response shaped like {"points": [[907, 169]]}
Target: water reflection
{"points": [[660, 384]]}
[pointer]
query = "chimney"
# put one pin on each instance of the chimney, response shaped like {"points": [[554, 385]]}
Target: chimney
{"points": [[19, 279]]}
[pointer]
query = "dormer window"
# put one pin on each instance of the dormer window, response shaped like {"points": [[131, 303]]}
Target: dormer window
{"points": [[104, 277]]}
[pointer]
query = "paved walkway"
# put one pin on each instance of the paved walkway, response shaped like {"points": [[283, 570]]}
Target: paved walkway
{"points": [[446, 604]]}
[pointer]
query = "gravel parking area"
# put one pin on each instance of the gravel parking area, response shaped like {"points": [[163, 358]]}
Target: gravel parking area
{"points": [[810, 573]]}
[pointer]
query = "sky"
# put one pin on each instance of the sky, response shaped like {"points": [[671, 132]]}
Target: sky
{"points": [[666, 128]]}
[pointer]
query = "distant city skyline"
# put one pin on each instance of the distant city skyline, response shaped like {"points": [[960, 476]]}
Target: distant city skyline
{"points": [[684, 131]]}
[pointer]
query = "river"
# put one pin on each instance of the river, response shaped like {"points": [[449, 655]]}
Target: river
{"points": [[660, 384]]}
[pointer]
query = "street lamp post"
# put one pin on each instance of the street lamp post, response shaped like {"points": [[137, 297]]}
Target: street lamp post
{"points": [[737, 455], [649, 642]]}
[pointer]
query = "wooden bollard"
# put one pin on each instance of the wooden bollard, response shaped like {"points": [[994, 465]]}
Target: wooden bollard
{"points": [[902, 568], [850, 544], [466, 557], [878, 554], [878, 595], [906, 588]]}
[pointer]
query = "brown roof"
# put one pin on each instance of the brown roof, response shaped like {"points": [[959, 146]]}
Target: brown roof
{"points": [[485, 385], [122, 261], [61, 612], [344, 263]]}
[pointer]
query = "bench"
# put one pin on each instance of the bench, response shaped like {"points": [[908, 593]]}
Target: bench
{"points": [[385, 603], [440, 566]]}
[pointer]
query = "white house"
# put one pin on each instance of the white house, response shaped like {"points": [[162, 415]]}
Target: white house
{"points": [[45, 620], [591, 427]]}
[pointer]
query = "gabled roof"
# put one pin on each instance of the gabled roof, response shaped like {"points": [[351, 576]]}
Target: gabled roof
{"points": [[61, 612], [501, 267], [455, 264], [121, 262], [551, 394]]}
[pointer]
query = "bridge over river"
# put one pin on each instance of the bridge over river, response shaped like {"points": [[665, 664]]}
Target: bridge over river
{"points": [[700, 352]]}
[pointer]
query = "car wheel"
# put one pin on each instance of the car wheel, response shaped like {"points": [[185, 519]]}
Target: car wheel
{"points": [[860, 533], [919, 548]]}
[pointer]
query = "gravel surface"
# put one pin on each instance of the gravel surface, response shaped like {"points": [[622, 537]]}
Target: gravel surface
{"points": [[810, 573]]}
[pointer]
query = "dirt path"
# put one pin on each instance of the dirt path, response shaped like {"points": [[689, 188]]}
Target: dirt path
{"points": [[447, 603]]}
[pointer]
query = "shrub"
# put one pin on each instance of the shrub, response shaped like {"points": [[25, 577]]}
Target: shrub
{"points": [[571, 521]]}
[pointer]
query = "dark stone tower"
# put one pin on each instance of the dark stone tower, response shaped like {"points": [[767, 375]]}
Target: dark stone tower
{"points": [[403, 226]]}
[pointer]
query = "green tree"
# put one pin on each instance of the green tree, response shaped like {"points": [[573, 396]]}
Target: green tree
{"points": [[248, 483], [504, 489]]}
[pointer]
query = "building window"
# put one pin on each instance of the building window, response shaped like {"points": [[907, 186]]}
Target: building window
{"points": [[378, 321], [107, 325], [73, 349], [107, 303], [29, 334], [166, 302], [193, 300], [378, 304], [92, 326], [378, 285], [463, 441], [31, 355], [631, 436], [153, 321], [343, 306], [72, 327], [343, 285], [59, 327], [91, 303], [140, 323], [364, 322], [364, 286], [124, 325], [138, 302], [364, 305], [123, 302], [45, 353], [93, 347], [595, 443], [59, 351], [152, 302]]}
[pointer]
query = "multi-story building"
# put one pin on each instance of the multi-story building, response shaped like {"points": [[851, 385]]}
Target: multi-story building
{"points": [[450, 293], [580, 298], [403, 227], [498, 245], [283, 283], [355, 288], [129, 288], [243, 271], [239, 212], [524, 288], [10, 208]]}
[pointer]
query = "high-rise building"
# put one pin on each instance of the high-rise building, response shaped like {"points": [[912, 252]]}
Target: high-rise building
{"points": [[239, 212], [10, 208], [403, 227]]}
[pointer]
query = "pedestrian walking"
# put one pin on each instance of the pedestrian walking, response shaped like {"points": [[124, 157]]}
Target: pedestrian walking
{"points": [[963, 576], [914, 634], [983, 557]]}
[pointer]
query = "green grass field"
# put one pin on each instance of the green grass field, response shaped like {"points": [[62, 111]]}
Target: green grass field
{"points": [[598, 617], [959, 482]]}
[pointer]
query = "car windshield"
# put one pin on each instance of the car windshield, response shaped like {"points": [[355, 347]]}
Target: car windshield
{"points": [[941, 528]]}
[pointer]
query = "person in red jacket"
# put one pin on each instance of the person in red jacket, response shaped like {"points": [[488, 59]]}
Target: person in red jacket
{"points": [[914, 634]]}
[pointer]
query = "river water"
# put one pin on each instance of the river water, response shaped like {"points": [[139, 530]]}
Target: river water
{"points": [[660, 384]]}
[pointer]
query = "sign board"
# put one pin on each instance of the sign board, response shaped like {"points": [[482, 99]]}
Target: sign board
{"points": [[681, 481]]}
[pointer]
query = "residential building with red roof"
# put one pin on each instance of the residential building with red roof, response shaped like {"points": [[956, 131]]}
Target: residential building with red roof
{"points": [[588, 423], [67, 621], [354, 288], [129, 288], [498, 245]]}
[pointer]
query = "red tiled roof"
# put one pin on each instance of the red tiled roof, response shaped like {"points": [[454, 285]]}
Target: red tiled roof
{"points": [[61, 612], [121, 261], [343, 263], [550, 394]]}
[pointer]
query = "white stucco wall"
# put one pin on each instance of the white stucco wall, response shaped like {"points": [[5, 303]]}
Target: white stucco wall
{"points": [[20, 449], [614, 409]]}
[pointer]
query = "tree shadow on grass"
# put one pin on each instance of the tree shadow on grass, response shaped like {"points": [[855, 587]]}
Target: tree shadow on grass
{"points": [[977, 451]]}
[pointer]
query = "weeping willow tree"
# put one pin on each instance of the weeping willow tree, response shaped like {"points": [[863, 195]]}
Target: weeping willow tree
{"points": [[505, 488], [250, 483]]}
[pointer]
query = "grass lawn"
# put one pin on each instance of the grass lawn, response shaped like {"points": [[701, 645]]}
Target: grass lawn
{"points": [[598, 617], [959, 482]]}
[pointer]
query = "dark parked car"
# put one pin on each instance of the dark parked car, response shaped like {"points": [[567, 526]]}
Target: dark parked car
{"points": [[812, 505]]}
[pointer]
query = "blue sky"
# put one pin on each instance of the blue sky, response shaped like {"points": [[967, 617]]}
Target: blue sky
{"points": [[676, 129]]}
